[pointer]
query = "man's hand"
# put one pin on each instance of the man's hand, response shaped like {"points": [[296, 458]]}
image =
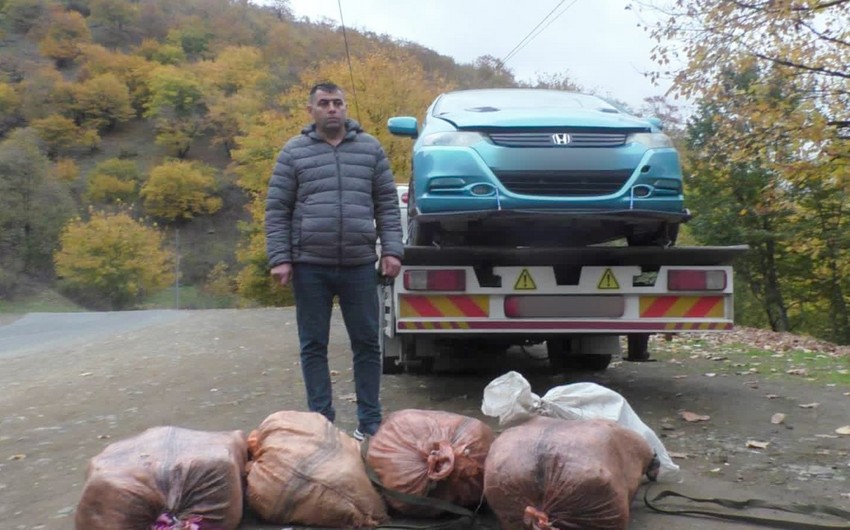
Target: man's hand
{"points": [[390, 266], [283, 273]]}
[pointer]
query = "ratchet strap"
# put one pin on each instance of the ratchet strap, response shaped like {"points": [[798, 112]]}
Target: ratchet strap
{"points": [[740, 505]]}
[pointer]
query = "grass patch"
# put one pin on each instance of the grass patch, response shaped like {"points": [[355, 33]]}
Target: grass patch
{"points": [[190, 297], [42, 302], [745, 359]]}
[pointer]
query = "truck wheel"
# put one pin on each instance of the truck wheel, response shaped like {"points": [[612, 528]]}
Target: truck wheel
{"points": [[559, 355], [563, 360], [638, 347], [391, 366], [592, 362], [422, 366]]}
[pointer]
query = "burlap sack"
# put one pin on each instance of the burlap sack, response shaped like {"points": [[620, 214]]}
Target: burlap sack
{"points": [[431, 453], [551, 473], [166, 476], [303, 470]]}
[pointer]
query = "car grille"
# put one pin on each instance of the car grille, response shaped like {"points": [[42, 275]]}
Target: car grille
{"points": [[564, 183], [544, 139]]}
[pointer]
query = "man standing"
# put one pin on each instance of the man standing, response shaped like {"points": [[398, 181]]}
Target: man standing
{"points": [[331, 196]]}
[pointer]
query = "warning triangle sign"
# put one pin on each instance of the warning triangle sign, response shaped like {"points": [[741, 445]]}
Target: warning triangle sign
{"points": [[525, 282], [608, 280]]}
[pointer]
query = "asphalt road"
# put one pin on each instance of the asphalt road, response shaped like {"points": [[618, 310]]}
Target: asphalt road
{"points": [[70, 384]]}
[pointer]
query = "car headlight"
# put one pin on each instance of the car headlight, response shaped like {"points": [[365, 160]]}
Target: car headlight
{"points": [[457, 139], [650, 140]]}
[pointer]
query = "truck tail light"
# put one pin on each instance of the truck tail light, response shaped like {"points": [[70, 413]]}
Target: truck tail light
{"points": [[696, 280], [435, 280]]}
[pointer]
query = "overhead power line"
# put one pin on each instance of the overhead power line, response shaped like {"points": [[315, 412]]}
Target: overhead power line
{"points": [[348, 58], [535, 31]]}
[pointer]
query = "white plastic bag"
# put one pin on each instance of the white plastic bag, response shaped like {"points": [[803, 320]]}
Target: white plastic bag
{"points": [[509, 397]]}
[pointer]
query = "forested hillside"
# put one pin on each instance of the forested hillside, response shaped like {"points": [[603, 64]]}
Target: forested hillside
{"points": [[137, 137]]}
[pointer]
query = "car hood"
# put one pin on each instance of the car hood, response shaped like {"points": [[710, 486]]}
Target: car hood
{"points": [[488, 117]]}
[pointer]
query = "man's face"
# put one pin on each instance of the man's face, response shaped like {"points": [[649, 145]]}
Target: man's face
{"points": [[328, 110]]}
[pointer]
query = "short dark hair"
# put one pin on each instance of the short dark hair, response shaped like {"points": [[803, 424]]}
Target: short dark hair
{"points": [[324, 86]]}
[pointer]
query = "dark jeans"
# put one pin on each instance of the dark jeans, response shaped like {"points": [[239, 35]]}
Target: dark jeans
{"points": [[314, 287]]}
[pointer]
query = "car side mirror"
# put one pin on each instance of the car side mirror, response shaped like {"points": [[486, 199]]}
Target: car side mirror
{"points": [[403, 126], [656, 122]]}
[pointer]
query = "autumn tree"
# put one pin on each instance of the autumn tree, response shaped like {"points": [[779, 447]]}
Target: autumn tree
{"points": [[232, 86], [777, 74], [114, 180], [44, 93], [10, 107], [179, 190], [112, 260], [21, 15], [66, 170], [132, 70], [66, 33], [162, 53], [102, 102], [177, 106], [62, 136], [114, 13], [33, 207]]}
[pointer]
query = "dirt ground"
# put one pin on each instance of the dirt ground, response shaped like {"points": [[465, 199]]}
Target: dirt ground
{"points": [[229, 369]]}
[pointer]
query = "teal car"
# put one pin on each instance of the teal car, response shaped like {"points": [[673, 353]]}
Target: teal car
{"points": [[522, 167]]}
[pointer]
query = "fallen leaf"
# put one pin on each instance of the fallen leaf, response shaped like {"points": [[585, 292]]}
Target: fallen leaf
{"points": [[85, 374], [771, 396], [683, 456], [710, 374], [797, 371], [809, 405], [334, 373], [679, 376], [843, 430], [692, 416], [777, 418], [20, 456], [832, 436], [716, 470], [349, 397], [754, 444]]}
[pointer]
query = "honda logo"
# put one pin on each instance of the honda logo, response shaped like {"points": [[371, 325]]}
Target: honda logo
{"points": [[561, 139]]}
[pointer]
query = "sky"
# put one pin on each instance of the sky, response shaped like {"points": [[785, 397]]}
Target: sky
{"points": [[597, 43]]}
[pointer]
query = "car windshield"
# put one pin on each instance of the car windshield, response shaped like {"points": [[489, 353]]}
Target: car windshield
{"points": [[496, 100]]}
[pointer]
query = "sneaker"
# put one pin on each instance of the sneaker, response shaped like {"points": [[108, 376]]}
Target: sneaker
{"points": [[362, 431]]}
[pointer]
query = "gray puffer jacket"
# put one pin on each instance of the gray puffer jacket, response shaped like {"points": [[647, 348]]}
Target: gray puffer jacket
{"points": [[328, 205]]}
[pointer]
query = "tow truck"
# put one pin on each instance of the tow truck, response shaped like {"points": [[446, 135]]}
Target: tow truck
{"points": [[579, 301]]}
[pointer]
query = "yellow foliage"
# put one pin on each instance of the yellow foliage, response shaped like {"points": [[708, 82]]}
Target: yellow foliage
{"points": [[67, 32], [179, 190], [234, 69], [103, 101], [10, 101], [104, 188], [66, 170], [60, 134], [113, 257]]}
